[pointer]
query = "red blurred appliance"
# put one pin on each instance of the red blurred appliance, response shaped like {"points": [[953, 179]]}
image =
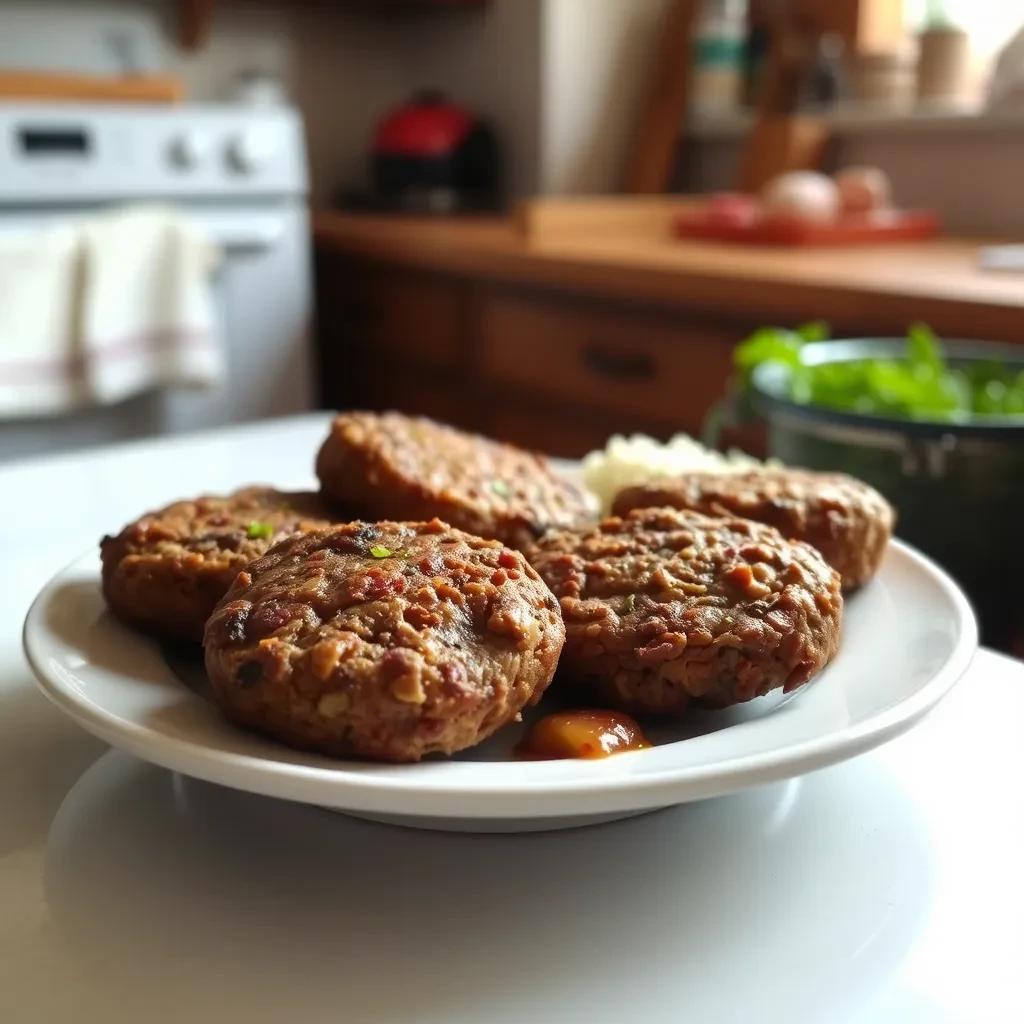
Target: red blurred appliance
{"points": [[433, 155]]}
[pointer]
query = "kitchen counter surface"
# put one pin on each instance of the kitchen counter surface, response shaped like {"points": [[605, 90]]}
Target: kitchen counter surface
{"points": [[886, 890], [598, 249]]}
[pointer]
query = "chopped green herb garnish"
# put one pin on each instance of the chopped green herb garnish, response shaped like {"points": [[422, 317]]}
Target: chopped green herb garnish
{"points": [[500, 488], [629, 604], [379, 551], [259, 531]]}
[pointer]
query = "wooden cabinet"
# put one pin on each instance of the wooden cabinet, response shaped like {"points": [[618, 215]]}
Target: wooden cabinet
{"points": [[391, 339], [551, 370], [580, 318], [406, 318], [616, 360]]}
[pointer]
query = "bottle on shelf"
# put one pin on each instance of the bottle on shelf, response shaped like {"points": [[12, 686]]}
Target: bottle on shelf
{"points": [[719, 47]]}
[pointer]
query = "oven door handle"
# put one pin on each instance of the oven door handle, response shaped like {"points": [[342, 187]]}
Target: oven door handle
{"points": [[233, 234], [238, 232], [248, 238]]}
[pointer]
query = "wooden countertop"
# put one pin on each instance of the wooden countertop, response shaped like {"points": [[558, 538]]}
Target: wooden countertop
{"points": [[604, 247]]}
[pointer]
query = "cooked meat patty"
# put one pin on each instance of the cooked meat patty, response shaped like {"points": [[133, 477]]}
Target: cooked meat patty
{"points": [[165, 572], [390, 466], [849, 522], [384, 640], [664, 606]]}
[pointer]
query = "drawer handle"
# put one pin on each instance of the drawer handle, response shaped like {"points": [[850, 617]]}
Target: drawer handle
{"points": [[618, 365]]}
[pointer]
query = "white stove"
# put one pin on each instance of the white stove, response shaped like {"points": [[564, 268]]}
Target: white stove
{"points": [[239, 172]]}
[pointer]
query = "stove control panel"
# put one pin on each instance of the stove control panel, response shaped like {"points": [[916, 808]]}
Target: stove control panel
{"points": [[188, 150], [251, 150], [68, 153]]}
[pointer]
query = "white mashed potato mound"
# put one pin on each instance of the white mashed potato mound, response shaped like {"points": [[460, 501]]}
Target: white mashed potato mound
{"points": [[627, 461]]}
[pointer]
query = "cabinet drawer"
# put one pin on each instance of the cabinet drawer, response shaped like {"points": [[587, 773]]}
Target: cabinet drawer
{"points": [[410, 315], [608, 359]]}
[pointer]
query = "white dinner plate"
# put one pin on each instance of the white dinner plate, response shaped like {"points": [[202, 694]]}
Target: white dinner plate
{"points": [[907, 637]]}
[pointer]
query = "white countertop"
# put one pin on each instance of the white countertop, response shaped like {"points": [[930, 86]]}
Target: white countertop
{"points": [[887, 889]]}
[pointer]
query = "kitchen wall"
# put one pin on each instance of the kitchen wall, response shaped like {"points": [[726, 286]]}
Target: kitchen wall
{"points": [[91, 37], [596, 59], [489, 59], [970, 169], [561, 79], [341, 66], [345, 67]]}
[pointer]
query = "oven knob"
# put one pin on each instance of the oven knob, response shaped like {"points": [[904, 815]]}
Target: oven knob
{"points": [[250, 151], [187, 151]]}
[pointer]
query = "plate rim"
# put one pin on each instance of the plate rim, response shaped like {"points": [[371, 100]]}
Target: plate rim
{"points": [[395, 794]]}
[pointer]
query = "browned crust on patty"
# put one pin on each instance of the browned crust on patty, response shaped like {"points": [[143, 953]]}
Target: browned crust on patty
{"points": [[849, 522], [391, 466], [664, 606], [383, 640], [165, 572]]}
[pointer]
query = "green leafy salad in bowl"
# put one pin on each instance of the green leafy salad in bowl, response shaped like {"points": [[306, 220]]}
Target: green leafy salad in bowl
{"points": [[919, 382]]}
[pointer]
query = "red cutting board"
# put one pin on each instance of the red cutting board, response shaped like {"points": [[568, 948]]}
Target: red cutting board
{"points": [[887, 226]]}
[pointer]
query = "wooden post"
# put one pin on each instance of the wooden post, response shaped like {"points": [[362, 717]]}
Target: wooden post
{"points": [[654, 151], [783, 140]]}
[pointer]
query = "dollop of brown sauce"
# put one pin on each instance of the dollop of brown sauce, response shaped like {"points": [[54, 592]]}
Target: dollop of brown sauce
{"points": [[585, 733]]}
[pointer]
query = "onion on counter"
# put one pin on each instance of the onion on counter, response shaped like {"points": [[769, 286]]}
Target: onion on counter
{"points": [[863, 190], [801, 195]]}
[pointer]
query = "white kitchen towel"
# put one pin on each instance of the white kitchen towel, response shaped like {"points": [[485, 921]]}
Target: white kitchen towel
{"points": [[40, 357], [103, 308], [147, 318]]}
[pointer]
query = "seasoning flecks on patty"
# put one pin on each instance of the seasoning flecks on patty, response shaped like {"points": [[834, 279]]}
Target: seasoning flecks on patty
{"points": [[665, 606], [383, 640], [849, 522], [391, 466], [165, 572]]}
